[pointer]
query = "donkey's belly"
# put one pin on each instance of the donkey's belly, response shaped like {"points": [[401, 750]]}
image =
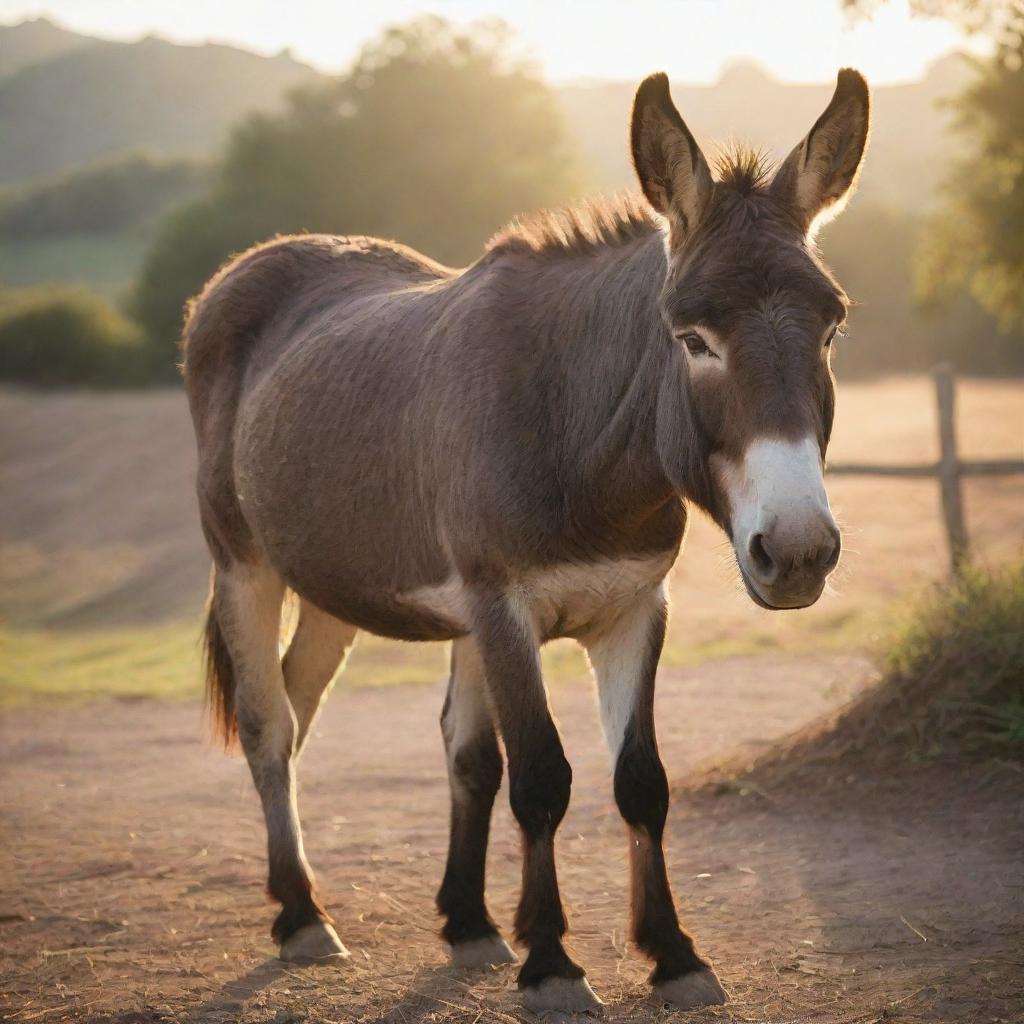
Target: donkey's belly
{"points": [[562, 600], [379, 611]]}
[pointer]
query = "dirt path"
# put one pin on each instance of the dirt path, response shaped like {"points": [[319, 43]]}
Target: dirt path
{"points": [[131, 868]]}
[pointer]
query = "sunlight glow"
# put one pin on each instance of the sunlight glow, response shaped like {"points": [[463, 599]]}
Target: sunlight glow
{"points": [[796, 40]]}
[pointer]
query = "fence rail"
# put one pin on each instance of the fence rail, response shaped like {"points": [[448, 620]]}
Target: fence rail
{"points": [[948, 470]]}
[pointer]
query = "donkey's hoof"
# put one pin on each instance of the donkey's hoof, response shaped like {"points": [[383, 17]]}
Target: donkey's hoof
{"points": [[562, 995], [490, 951], [314, 943], [690, 991]]}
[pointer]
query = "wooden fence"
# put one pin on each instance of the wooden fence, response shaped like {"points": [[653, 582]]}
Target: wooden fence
{"points": [[949, 470]]}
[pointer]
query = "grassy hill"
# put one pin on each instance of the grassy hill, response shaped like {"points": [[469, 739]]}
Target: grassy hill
{"points": [[94, 98]]}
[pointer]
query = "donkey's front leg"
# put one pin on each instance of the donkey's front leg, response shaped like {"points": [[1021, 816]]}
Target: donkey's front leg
{"points": [[539, 782], [624, 655]]}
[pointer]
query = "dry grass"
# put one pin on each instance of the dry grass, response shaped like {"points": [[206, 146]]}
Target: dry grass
{"points": [[951, 689]]}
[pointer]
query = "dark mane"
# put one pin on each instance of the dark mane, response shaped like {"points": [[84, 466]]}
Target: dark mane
{"points": [[744, 169], [597, 223], [581, 229]]}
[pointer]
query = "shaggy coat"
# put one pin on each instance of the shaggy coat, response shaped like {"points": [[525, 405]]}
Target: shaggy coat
{"points": [[505, 454]]}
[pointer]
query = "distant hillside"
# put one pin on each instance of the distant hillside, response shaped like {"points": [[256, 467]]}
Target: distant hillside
{"points": [[909, 143], [99, 98], [128, 192], [35, 41], [69, 100]]}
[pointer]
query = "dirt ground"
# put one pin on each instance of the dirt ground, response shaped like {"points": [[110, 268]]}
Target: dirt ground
{"points": [[131, 853], [131, 868]]}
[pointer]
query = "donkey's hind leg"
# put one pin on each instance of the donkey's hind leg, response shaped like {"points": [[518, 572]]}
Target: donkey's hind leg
{"points": [[247, 605], [315, 656], [474, 774]]}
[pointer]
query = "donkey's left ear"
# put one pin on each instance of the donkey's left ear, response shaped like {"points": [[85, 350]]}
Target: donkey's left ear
{"points": [[819, 175], [671, 168]]}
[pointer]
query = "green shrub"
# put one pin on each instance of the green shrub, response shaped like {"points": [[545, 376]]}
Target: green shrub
{"points": [[54, 336], [951, 689], [956, 669]]}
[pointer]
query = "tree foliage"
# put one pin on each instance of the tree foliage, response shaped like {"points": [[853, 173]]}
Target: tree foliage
{"points": [[435, 138], [993, 17], [873, 250], [976, 244]]}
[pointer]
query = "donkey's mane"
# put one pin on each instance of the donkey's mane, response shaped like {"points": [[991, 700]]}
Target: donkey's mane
{"points": [[596, 224], [743, 169], [587, 228]]}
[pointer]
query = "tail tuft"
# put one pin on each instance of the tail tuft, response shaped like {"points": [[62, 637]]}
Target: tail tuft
{"points": [[220, 682]]}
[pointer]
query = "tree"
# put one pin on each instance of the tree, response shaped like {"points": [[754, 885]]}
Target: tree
{"points": [[435, 137], [975, 244], [990, 16]]}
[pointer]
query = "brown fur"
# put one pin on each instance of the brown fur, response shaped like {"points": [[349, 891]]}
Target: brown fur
{"points": [[412, 448]]}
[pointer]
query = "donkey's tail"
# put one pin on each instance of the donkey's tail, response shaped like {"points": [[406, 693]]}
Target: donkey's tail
{"points": [[220, 680]]}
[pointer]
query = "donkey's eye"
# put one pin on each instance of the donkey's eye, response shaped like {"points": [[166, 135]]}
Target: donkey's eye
{"points": [[839, 331], [695, 344]]}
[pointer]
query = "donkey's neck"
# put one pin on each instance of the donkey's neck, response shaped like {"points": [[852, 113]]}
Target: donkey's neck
{"points": [[620, 376]]}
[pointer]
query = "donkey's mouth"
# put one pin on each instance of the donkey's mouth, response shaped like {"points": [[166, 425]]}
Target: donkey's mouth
{"points": [[789, 605]]}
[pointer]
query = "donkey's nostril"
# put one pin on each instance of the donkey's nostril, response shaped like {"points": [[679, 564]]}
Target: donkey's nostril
{"points": [[828, 553], [762, 556]]}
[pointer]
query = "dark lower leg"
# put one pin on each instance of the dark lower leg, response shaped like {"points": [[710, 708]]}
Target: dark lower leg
{"points": [[475, 774], [540, 919], [540, 781], [540, 786], [641, 791], [656, 928], [299, 903]]}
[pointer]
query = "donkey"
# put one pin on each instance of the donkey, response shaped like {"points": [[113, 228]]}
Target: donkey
{"points": [[505, 454]]}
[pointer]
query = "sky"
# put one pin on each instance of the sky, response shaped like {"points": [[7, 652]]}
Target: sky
{"points": [[796, 40]]}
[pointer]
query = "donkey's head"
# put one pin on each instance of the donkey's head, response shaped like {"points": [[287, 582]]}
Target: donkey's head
{"points": [[754, 312]]}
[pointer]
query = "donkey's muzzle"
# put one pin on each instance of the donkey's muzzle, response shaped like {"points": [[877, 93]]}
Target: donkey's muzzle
{"points": [[789, 571]]}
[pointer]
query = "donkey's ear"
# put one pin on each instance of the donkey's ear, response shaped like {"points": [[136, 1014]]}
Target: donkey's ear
{"points": [[672, 170], [819, 175]]}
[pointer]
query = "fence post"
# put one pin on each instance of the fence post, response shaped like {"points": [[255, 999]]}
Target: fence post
{"points": [[949, 469]]}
